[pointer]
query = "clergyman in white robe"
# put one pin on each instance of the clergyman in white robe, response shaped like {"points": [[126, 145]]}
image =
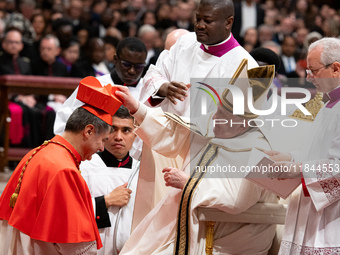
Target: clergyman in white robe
{"points": [[321, 171], [101, 180], [186, 60]]}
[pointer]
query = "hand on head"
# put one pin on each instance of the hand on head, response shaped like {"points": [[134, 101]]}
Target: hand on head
{"points": [[127, 99]]}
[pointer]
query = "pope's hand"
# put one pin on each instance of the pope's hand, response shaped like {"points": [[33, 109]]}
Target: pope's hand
{"points": [[285, 170], [119, 197], [279, 156], [174, 90], [127, 99], [174, 178]]}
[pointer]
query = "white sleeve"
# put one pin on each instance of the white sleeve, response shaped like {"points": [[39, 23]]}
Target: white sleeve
{"points": [[322, 176], [160, 73]]}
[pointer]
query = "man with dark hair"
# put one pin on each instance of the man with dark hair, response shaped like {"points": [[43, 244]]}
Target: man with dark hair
{"points": [[46, 206], [94, 64], [210, 52], [110, 45], [112, 179], [249, 14], [129, 62]]}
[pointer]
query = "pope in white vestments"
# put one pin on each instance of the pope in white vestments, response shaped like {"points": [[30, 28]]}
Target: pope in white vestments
{"points": [[169, 229], [185, 60]]}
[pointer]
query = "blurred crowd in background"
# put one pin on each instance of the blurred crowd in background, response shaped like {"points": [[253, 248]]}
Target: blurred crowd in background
{"points": [[78, 38]]}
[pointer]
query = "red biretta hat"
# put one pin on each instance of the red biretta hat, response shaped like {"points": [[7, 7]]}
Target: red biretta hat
{"points": [[100, 101]]}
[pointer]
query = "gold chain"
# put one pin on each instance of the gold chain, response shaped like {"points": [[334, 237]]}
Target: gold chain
{"points": [[15, 195], [68, 149]]}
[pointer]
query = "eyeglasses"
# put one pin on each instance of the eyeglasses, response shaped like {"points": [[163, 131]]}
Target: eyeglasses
{"points": [[12, 42], [313, 72], [127, 65]]}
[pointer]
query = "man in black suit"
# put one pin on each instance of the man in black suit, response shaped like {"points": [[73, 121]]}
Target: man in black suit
{"points": [[47, 65], [247, 14], [11, 61], [288, 57]]}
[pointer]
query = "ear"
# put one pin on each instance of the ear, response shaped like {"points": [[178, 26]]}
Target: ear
{"points": [[229, 23], [336, 69], [89, 130]]}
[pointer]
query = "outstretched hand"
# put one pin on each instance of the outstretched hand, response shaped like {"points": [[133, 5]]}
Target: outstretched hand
{"points": [[174, 90], [279, 156], [285, 170], [174, 178]]}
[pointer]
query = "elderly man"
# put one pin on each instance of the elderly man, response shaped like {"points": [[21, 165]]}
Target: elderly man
{"points": [[210, 52], [11, 61], [313, 217], [202, 148], [47, 64], [112, 179], [46, 206]]}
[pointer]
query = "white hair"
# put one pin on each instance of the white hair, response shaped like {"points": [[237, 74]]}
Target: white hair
{"points": [[146, 29], [330, 49]]}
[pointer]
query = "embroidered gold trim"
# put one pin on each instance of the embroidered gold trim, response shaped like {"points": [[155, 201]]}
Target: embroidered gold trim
{"points": [[179, 120], [313, 106], [183, 221]]}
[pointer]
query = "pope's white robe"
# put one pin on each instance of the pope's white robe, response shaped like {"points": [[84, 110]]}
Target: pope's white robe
{"points": [[312, 224], [101, 180], [156, 233], [13, 241], [186, 60]]}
